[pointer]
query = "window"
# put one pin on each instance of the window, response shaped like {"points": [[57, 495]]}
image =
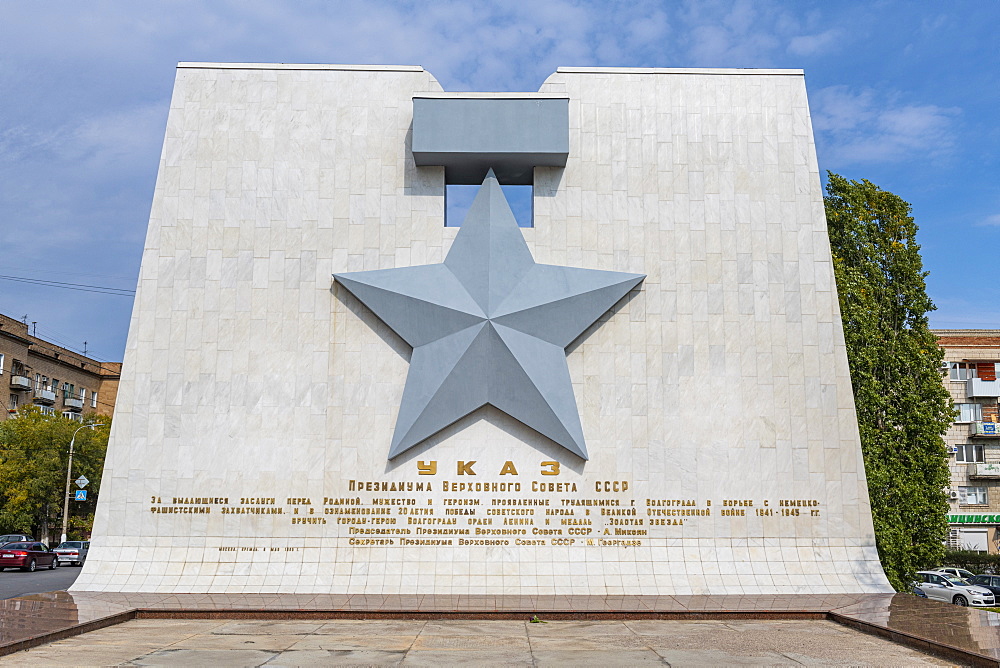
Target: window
{"points": [[969, 412], [962, 370], [83, 394], [1, 363], [13, 402], [970, 452], [93, 400], [975, 540], [70, 415], [972, 496], [47, 410], [38, 382], [458, 199]]}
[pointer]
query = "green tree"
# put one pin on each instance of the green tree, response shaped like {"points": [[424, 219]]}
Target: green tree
{"points": [[903, 407], [34, 449]]}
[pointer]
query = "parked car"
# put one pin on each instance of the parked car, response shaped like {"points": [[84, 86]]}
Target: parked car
{"points": [[74, 551], [15, 538], [27, 556], [944, 587], [991, 582], [955, 572]]}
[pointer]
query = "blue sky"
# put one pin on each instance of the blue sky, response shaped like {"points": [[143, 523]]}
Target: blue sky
{"points": [[904, 94]]}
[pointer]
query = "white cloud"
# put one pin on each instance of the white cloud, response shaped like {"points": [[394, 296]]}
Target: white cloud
{"points": [[991, 220], [810, 45], [867, 126], [648, 29], [741, 34]]}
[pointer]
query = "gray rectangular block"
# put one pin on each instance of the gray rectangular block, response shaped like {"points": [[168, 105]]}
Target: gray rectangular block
{"points": [[469, 136]]}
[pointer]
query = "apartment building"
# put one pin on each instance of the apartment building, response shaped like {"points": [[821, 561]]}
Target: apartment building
{"points": [[972, 365], [57, 380]]}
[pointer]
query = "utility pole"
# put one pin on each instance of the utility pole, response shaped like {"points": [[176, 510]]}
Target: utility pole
{"points": [[69, 475]]}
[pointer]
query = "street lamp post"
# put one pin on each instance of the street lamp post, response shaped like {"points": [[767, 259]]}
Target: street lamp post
{"points": [[69, 475]]}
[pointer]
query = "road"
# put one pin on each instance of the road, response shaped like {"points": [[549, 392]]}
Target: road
{"points": [[15, 583]]}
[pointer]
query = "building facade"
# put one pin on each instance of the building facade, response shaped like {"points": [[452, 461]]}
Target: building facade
{"points": [[972, 362], [34, 371]]}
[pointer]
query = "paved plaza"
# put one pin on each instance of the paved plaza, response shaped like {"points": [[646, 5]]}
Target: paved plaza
{"points": [[217, 643]]}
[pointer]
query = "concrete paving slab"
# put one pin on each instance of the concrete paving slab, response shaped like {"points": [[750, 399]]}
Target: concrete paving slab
{"points": [[584, 629], [305, 657], [358, 641], [464, 642], [593, 643], [475, 628], [691, 627], [347, 627], [265, 628], [81, 656], [597, 658], [438, 658], [274, 643], [716, 657], [201, 625], [217, 658], [319, 657]]}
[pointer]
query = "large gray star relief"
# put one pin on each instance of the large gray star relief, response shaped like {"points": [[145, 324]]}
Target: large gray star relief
{"points": [[488, 326]]}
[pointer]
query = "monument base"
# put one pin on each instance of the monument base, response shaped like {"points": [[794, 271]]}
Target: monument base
{"points": [[485, 410]]}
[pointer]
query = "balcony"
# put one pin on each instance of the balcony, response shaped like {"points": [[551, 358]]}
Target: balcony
{"points": [[73, 403], [977, 387], [20, 383], [987, 429], [988, 471], [45, 397]]}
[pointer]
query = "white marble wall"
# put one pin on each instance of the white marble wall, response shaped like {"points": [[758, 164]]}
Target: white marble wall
{"points": [[248, 373]]}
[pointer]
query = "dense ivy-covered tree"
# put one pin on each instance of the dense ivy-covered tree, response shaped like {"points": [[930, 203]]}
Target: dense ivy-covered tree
{"points": [[34, 449], [903, 407]]}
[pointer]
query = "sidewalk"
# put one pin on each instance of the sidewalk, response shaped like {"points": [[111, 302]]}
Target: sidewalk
{"points": [[219, 643]]}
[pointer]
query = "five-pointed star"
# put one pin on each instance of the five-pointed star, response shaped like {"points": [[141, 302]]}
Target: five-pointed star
{"points": [[488, 326]]}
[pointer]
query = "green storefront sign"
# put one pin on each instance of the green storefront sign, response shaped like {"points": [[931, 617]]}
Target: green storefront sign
{"points": [[974, 519]]}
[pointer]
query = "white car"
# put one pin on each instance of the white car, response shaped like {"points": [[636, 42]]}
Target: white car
{"points": [[74, 551], [944, 587], [955, 572]]}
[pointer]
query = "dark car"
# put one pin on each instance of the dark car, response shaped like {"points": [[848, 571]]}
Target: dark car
{"points": [[15, 538], [991, 582], [74, 551], [27, 556]]}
